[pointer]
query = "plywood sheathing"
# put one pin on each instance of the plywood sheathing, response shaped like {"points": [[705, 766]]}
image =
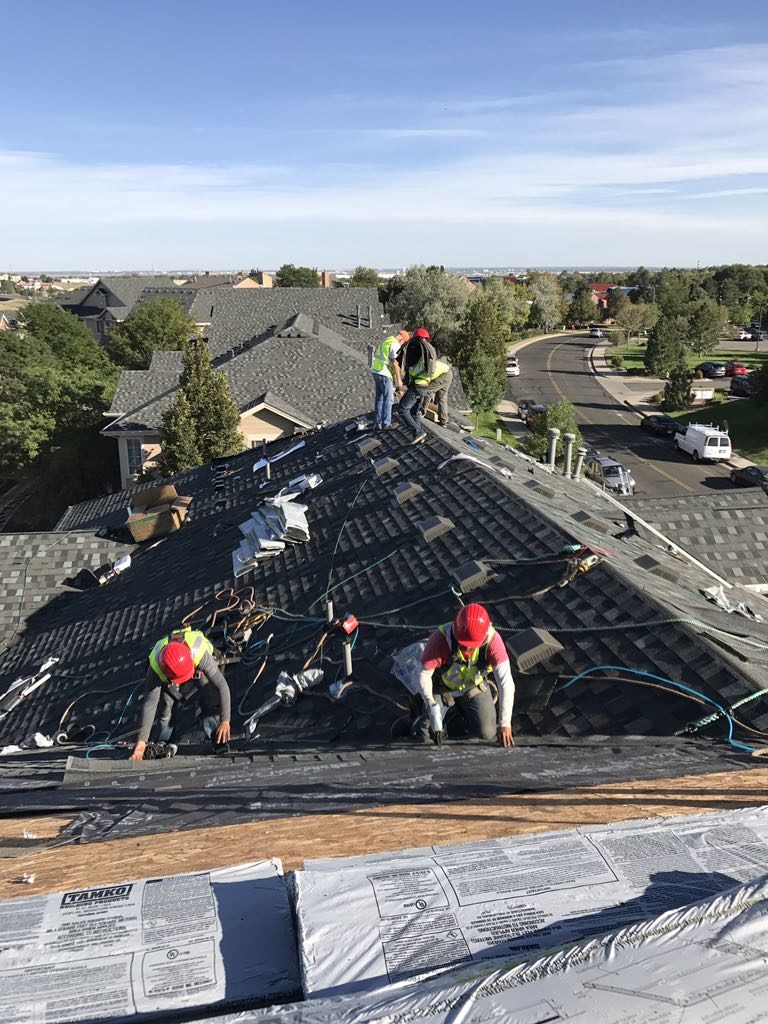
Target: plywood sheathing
{"points": [[72, 866]]}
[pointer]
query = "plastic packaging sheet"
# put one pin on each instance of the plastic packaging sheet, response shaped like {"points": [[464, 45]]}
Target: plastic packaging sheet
{"points": [[367, 921], [148, 946], [704, 964]]}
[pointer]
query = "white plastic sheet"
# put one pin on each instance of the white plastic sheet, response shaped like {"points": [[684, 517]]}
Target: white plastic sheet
{"points": [[146, 946], [367, 921], [704, 964]]}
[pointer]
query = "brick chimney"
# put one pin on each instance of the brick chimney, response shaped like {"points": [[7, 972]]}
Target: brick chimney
{"points": [[326, 279]]}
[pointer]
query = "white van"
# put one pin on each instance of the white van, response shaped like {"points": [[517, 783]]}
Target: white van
{"points": [[704, 442]]}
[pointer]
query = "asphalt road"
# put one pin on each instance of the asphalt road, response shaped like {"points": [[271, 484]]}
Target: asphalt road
{"points": [[559, 368]]}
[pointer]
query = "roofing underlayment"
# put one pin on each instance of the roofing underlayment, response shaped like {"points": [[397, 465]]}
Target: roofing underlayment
{"points": [[652, 669]]}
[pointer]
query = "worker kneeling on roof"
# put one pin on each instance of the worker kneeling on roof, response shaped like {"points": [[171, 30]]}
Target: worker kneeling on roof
{"points": [[454, 672], [181, 666]]}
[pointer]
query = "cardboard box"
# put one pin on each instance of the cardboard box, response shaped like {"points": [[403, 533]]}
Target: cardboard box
{"points": [[156, 512]]}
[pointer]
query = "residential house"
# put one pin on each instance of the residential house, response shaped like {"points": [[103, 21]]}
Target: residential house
{"points": [[258, 280], [7, 320], [296, 377], [111, 300], [600, 293]]}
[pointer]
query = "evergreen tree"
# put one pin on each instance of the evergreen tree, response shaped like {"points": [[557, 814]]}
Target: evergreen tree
{"points": [[178, 439], [677, 391], [666, 346], [583, 309], [209, 416]]}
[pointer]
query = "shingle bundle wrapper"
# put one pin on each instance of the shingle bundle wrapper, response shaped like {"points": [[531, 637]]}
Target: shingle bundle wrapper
{"points": [[278, 521]]}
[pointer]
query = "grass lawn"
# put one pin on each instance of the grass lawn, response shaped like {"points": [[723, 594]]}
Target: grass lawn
{"points": [[486, 427], [633, 356], [747, 426]]}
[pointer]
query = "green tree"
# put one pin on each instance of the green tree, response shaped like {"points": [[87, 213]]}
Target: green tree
{"points": [[482, 332], [635, 317], [289, 276], [155, 326], [740, 313], [582, 309], [204, 401], [617, 301], [706, 321], [67, 337], [677, 390], [562, 415], [483, 383], [7, 287], [429, 297], [178, 438], [673, 291], [666, 348], [364, 277], [759, 380], [548, 309]]}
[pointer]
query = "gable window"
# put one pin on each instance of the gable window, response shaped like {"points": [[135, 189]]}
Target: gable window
{"points": [[135, 455]]}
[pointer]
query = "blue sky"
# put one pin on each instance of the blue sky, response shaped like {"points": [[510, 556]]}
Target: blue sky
{"points": [[206, 135]]}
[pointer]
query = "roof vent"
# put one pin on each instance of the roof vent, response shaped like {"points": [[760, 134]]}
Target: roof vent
{"points": [[651, 565], [435, 527], [368, 445], [385, 465], [472, 575], [585, 519], [407, 490], [531, 647], [540, 488]]}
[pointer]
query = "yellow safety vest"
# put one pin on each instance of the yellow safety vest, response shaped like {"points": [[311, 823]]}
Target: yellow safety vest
{"points": [[463, 673], [197, 642], [382, 356], [421, 379]]}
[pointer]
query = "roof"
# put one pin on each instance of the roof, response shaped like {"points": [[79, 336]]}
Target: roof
{"points": [[305, 366], [126, 291], [396, 568], [728, 529], [238, 316]]}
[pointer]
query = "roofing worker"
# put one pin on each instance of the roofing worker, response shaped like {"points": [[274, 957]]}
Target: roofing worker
{"points": [[454, 668], [385, 370], [173, 664], [429, 379]]}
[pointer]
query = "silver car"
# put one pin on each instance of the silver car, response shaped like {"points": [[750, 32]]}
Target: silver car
{"points": [[610, 475]]}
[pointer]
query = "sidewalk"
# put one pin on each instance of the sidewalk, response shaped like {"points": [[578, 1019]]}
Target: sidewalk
{"points": [[635, 392]]}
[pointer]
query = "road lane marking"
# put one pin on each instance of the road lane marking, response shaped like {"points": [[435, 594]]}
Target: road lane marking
{"points": [[650, 465]]}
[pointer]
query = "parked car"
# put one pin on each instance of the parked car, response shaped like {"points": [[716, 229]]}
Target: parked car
{"points": [[711, 370], [595, 332], [533, 412], [756, 335], [744, 334], [523, 405], [610, 474], [513, 367], [657, 424], [750, 476], [735, 369], [741, 386], [703, 441]]}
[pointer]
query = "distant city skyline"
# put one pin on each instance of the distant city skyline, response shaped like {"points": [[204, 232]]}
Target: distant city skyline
{"points": [[192, 135]]}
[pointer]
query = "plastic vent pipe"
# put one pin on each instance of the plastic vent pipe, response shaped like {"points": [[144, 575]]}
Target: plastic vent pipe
{"points": [[569, 439], [553, 433]]}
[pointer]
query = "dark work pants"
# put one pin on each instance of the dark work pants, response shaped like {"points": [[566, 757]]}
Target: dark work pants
{"points": [[478, 712], [209, 711]]}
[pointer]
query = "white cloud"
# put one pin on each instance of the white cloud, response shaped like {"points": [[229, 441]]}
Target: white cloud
{"points": [[537, 170]]}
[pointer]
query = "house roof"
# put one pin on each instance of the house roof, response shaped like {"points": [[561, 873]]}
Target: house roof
{"points": [[728, 529], [238, 316], [126, 291], [640, 608]]}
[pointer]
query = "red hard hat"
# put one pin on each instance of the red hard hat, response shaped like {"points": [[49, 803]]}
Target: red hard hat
{"points": [[421, 332], [176, 662], [471, 625]]}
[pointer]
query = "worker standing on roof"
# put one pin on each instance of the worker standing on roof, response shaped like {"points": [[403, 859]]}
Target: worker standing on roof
{"points": [[385, 370], [454, 669], [182, 665], [429, 380]]}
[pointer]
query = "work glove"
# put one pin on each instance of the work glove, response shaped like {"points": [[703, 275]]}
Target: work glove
{"points": [[436, 724]]}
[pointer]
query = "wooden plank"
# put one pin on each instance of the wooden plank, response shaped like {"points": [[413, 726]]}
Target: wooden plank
{"points": [[373, 830]]}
